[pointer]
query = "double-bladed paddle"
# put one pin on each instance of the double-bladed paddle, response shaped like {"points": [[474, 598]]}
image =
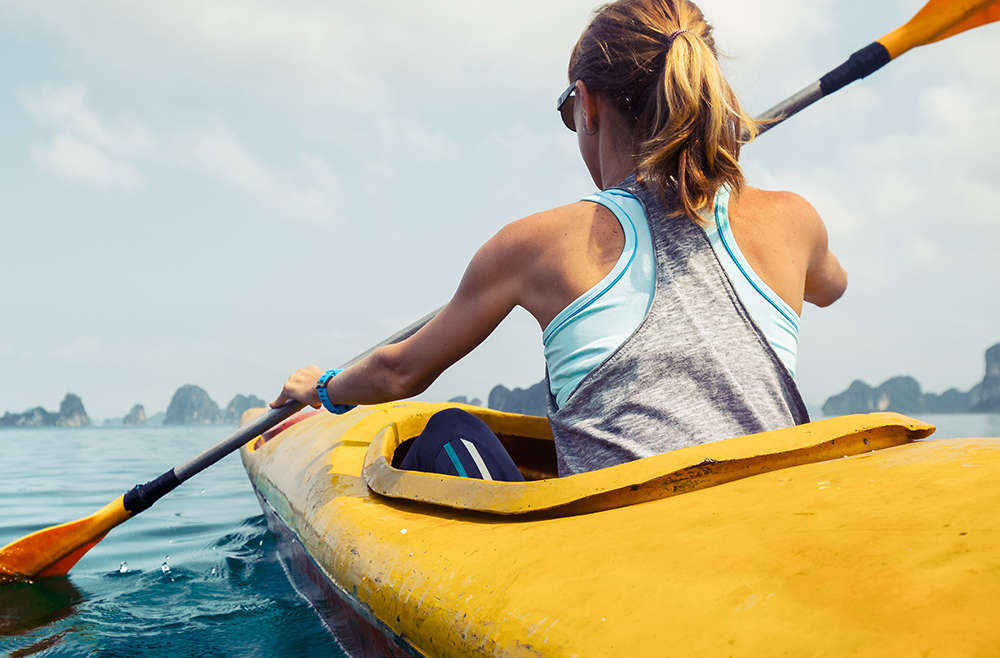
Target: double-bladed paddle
{"points": [[54, 550], [939, 19]]}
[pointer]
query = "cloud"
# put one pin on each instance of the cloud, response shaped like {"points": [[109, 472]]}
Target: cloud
{"points": [[68, 157], [308, 191], [88, 148], [64, 108], [85, 148]]}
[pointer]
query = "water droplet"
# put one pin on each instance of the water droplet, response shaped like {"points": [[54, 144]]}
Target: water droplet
{"points": [[260, 543], [202, 491], [123, 567], [402, 531]]}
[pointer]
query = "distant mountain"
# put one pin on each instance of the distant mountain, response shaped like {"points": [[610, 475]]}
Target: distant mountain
{"points": [[461, 399], [136, 416], [532, 401], [989, 394], [904, 394], [234, 410], [191, 405], [71, 414]]}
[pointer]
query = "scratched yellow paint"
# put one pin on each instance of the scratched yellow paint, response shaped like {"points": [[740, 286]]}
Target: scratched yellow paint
{"points": [[885, 552]]}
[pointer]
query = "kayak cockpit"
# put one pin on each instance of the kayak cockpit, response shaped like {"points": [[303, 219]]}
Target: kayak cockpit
{"points": [[529, 440]]}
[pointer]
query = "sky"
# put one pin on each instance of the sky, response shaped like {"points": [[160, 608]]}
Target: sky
{"points": [[218, 193]]}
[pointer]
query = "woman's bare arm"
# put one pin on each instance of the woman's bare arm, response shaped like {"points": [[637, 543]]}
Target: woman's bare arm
{"points": [[488, 292]]}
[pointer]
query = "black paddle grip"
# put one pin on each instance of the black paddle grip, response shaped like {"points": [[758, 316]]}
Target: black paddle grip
{"points": [[142, 496], [859, 65]]}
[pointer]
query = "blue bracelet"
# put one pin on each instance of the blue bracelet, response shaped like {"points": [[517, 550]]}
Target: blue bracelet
{"points": [[324, 397]]}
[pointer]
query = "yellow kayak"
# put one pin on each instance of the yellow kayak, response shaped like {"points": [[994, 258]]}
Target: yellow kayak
{"points": [[847, 536]]}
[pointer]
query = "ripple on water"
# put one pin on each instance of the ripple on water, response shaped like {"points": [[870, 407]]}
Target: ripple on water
{"points": [[224, 593]]}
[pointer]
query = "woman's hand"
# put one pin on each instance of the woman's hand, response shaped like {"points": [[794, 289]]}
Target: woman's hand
{"points": [[301, 386]]}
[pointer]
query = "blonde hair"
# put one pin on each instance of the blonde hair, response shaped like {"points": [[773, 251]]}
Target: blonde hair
{"points": [[656, 60]]}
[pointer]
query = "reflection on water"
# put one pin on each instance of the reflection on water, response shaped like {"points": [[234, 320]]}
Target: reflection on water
{"points": [[26, 605]]}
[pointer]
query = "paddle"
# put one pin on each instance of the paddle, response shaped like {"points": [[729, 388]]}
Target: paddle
{"points": [[939, 19], [53, 551]]}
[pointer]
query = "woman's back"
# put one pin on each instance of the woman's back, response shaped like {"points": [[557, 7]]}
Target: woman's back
{"points": [[696, 369], [594, 324], [575, 246]]}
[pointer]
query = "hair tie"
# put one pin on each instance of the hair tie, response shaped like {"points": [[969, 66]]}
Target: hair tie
{"points": [[674, 35]]}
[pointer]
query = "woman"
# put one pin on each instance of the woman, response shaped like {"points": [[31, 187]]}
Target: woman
{"points": [[669, 300]]}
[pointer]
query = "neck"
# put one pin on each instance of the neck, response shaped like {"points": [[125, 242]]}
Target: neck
{"points": [[615, 157]]}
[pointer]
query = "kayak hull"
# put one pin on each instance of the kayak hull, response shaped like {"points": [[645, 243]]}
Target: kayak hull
{"points": [[355, 632], [891, 552]]}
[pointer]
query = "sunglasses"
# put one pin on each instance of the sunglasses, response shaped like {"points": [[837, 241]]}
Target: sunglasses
{"points": [[565, 105]]}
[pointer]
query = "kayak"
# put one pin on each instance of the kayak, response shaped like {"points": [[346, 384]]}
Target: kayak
{"points": [[845, 536]]}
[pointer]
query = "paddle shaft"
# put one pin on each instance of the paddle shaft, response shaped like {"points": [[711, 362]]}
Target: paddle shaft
{"points": [[142, 496], [859, 65]]}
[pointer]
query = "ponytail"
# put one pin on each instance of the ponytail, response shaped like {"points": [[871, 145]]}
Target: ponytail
{"points": [[656, 60]]}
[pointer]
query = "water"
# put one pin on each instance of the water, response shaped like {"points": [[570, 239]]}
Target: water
{"points": [[951, 426], [195, 575]]}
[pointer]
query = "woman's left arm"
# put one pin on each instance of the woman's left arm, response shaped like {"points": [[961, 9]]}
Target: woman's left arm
{"points": [[488, 292]]}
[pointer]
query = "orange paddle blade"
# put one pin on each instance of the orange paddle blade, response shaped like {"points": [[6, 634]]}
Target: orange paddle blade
{"points": [[940, 19], [53, 551]]}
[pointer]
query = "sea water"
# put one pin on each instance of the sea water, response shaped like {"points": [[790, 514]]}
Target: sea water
{"points": [[195, 575]]}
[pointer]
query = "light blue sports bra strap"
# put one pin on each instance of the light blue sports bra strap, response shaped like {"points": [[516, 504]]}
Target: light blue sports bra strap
{"points": [[605, 199], [735, 253]]}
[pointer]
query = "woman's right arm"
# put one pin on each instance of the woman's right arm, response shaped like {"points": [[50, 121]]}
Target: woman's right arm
{"points": [[489, 290]]}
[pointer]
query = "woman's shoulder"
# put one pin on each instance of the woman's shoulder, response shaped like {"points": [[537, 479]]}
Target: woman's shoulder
{"points": [[781, 211], [557, 218], [554, 255], [779, 204], [560, 228]]}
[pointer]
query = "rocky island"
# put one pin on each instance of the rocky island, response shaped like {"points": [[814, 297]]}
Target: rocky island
{"points": [[71, 414], [191, 405], [532, 400], [137, 416], [904, 394], [240, 403]]}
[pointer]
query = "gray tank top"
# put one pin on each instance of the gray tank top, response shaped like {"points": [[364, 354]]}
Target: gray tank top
{"points": [[697, 369]]}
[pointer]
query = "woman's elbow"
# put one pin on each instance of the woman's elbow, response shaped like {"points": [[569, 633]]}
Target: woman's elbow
{"points": [[834, 289], [397, 377]]}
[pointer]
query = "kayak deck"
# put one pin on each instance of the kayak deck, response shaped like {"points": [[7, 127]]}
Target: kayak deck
{"points": [[883, 552]]}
